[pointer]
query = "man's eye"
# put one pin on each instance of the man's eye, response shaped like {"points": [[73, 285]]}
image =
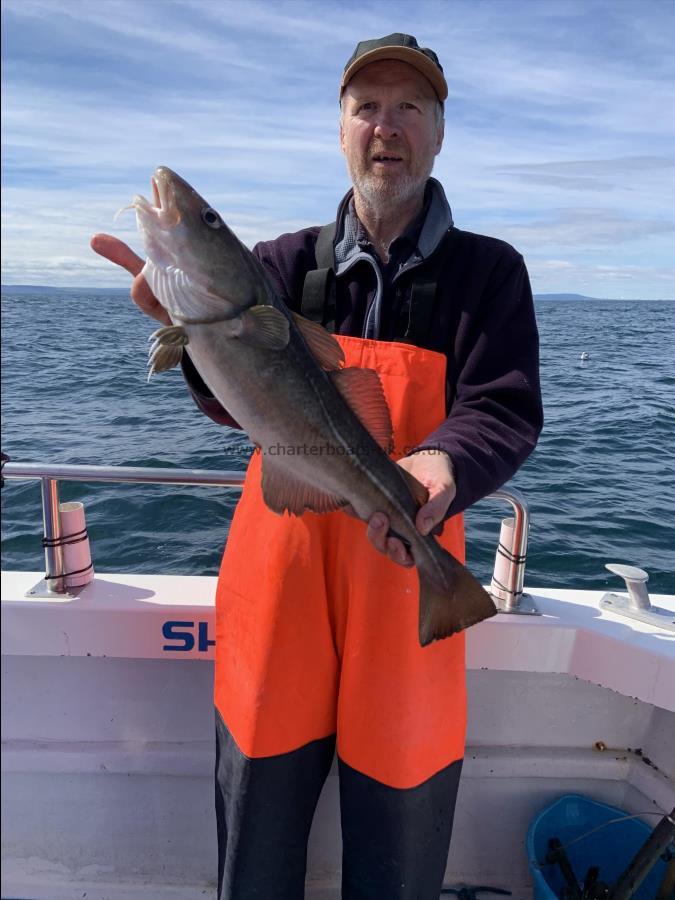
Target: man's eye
{"points": [[408, 106], [367, 106]]}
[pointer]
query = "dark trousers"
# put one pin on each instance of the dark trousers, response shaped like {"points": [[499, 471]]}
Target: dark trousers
{"points": [[395, 841]]}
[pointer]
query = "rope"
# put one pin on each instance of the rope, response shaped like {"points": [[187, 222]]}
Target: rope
{"points": [[68, 574], [512, 557], [586, 834], [505, 588], [73, 538]]}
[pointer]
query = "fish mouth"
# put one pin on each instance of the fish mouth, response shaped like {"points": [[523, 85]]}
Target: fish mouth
{"points": [[163, 212], [158, 220]]}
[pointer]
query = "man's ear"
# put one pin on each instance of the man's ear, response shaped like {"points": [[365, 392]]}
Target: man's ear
{"points": [[440, 134]]}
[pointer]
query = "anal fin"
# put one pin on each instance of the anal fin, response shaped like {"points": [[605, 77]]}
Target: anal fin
{"points": [[284, 493]]}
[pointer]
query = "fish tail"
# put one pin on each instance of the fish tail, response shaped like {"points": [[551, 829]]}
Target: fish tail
{"points": [[451, 599]]}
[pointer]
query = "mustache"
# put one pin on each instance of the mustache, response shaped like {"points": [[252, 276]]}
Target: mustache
{"points": [[395, 148]]}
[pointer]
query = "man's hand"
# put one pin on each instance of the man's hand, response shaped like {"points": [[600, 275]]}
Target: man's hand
{"points": [[434, 469], [119, 253]]}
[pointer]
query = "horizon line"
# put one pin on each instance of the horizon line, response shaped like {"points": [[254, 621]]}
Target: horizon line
{"points": [[541, 294]]}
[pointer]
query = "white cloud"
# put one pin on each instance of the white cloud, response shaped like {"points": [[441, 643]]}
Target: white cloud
{"points": [[585, 227], [557, 136]]}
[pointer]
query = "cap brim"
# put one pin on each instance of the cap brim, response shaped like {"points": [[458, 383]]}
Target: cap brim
{"points": [[414, 58]]}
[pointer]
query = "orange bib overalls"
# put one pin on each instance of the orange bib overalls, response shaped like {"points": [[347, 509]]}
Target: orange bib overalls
{"points": [[317, 644]]}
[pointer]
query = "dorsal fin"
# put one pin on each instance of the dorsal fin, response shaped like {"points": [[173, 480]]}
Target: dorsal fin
{"points": [[325, 349], [362, 390]]}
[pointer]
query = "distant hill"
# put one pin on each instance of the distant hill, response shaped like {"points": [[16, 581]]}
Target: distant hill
{"points": [[574, 297]]}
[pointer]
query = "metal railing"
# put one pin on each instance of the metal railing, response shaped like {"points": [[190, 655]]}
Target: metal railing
{"points": [[508, 593]]}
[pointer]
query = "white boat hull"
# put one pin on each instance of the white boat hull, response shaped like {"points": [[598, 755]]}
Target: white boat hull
{"points": [[108, 737]]}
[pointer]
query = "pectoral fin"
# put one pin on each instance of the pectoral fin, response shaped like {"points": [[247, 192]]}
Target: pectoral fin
{"points": [[167, 349], [263, 326]]}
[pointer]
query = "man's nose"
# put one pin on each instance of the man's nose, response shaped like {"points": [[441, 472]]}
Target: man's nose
{"points": [[386, 126]]}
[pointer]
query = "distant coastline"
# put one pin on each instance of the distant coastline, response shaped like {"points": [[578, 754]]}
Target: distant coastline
{"points": [[50, 289], [575, 298]]}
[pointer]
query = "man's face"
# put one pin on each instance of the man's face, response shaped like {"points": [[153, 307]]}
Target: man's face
{"points": [[389, 132]]}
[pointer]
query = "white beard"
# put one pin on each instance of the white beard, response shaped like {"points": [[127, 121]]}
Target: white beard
{"points": [[386, 194]]}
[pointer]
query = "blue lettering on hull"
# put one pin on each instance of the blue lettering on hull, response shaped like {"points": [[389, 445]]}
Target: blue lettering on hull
{"points": [[182, 636]]}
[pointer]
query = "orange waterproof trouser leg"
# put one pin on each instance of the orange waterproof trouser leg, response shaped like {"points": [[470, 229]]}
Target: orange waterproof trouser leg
{"points": [[317, 641]]}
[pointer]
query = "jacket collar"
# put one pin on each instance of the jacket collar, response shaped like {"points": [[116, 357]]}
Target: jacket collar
{"points": [[350, 232]]}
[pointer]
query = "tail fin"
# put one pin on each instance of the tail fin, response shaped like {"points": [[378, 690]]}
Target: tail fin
{"points": [[448, 608]]}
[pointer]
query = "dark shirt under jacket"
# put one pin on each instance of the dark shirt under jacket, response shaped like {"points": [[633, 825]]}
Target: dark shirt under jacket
{"points": [[394, 295], [483, 322]]}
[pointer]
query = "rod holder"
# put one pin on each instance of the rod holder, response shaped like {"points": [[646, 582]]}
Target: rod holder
{"points": [[508, 576], [78, 567]]}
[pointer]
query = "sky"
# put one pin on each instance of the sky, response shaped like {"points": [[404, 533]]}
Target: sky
{"points": [[560, 132]]}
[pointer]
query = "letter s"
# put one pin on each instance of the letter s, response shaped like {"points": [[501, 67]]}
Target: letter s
{"points": [[172, 632]]}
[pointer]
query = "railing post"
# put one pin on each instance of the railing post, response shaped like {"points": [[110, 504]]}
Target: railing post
{"points": [[51, 522]]}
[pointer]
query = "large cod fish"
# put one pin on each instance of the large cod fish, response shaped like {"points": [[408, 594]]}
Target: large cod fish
{"points": [[280, 376]]}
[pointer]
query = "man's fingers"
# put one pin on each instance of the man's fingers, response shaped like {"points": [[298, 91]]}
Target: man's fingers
{"points": [[141, 293], [429, 517], [378, 526], [430, 520], [378, 535], [398, 554], [117, 252], [146, 301]]}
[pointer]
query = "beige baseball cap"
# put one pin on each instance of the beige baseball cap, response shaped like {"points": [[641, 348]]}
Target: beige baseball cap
{"points": [[403, 47]]}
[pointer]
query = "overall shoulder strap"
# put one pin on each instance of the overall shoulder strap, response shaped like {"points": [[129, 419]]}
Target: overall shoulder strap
{"points": [[423, 295], [318, 293]]}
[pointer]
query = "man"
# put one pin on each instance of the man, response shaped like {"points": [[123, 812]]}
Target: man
{"points": [[316, 631]]}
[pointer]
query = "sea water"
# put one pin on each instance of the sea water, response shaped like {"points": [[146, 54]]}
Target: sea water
{"points": [[600, 485]]}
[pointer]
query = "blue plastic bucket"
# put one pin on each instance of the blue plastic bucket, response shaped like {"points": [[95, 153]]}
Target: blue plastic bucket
{"points": [[612, 848]]}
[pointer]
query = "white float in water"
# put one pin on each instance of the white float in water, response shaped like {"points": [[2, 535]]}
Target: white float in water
{"points": [[585, 355]]}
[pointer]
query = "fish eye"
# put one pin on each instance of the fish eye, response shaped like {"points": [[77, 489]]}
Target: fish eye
{"points": [[211, 217]]}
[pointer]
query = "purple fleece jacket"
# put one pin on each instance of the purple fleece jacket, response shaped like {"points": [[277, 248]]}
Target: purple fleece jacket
{"points": [[483, 322]]}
